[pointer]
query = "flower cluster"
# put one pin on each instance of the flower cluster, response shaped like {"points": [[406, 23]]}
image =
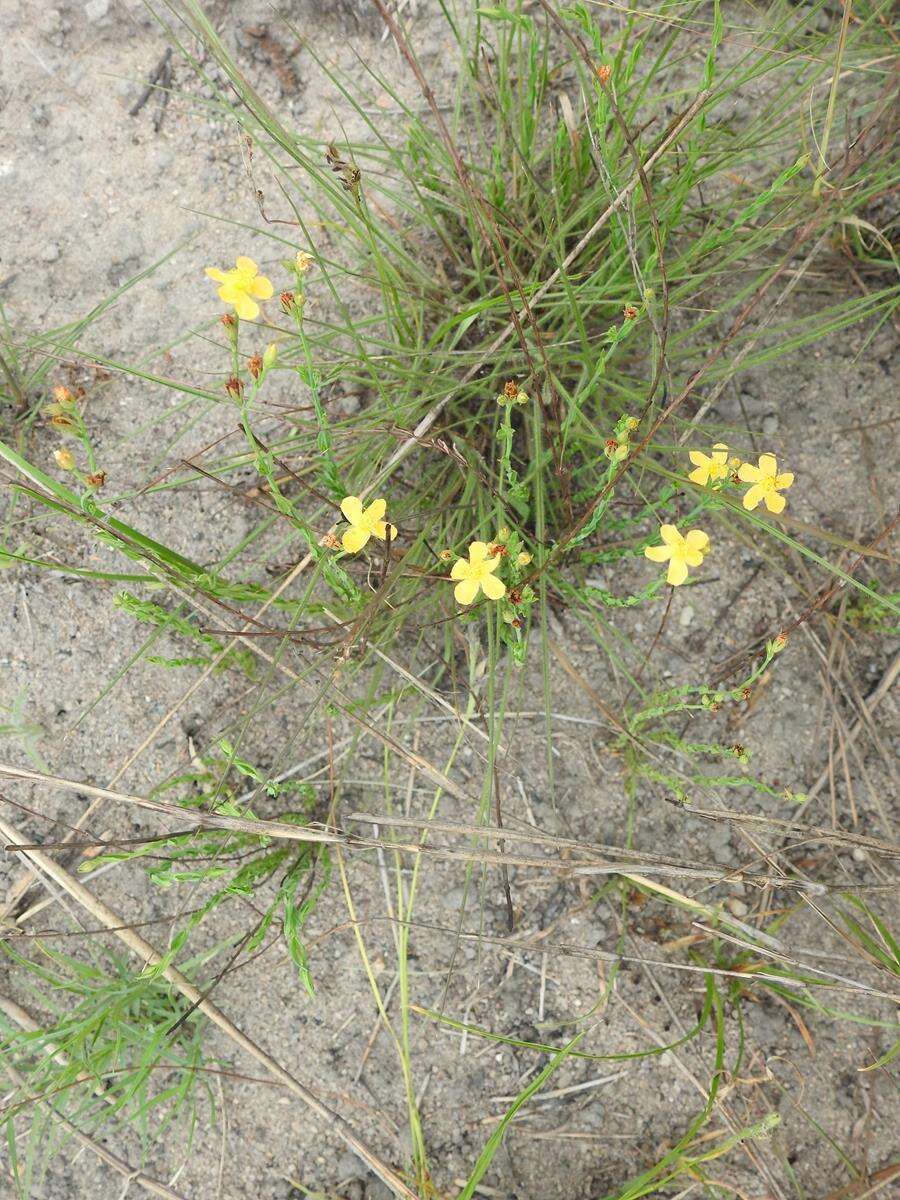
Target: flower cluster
{"points": [[682, 551], [478, 573], [64, 415], [618, 446], [714, 469]]}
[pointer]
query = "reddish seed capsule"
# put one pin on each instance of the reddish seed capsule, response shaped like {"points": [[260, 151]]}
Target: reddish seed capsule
{"points": [[234, 388], [254, 365]]}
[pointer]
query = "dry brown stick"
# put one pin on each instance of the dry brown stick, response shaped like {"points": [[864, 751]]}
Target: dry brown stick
{"points": [[148, 954], [512, 834], [205, 820], [131, 1174], [871, 702]]}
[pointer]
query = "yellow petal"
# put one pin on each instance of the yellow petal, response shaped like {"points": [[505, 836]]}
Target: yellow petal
{"points": [[466, 591], [747, 473], [228, 293], [658, 553], [493, 587], [491, 564], [768, 464], [784, 481], [697, 458], [354, 539], [670, 535], [700, 476], [696, 539], [478, 552], [216, 274], [693, 558], [246, 266], [380, 528], [774, 502], [677, 572], [246, 309], [460, 569], [720, 452], [260, 287], [375, 511], [753, 496], [351, 507]]}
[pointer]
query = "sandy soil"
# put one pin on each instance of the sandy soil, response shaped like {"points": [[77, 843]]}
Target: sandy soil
{"points": [[92, 195]]}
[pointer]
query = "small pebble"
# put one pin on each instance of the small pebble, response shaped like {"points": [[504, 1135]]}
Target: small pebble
{"points": [[770, 424], [738, 907], [859, 855], [686, 616], [50, 252], [96, 10]]}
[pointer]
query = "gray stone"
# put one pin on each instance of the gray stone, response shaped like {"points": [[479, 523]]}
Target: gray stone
{"points": [[770, 424], [96, 10], [50, 252], [686, 616]]}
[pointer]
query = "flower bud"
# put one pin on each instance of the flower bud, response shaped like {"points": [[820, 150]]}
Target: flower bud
{"points": [[303, 261], [64, 459], [269, 355], [63, 396], [523, 558]]}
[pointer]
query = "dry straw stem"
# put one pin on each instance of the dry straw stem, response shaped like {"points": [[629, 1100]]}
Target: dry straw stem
{"points": [[591, 864], [205, 820], [149, 955]]}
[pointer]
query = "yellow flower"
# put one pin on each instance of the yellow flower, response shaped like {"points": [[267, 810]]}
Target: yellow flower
{"points": [[767, 483], [64, 459], [477, 574], [523, 558], [709, 468], [364, 523], [242, 286], [303, 261], [680, 552]]}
